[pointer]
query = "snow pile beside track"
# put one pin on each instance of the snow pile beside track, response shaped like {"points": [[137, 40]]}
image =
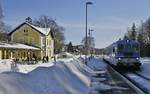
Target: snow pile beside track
{"points": [[5, 65], [29, 68], [61, 78], [145, 68]]}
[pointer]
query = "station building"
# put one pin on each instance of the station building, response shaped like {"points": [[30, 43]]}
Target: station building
{"points": [[27, 42]]}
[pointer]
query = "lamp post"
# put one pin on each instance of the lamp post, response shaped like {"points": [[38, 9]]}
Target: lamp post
{"points": [[86, 45]]}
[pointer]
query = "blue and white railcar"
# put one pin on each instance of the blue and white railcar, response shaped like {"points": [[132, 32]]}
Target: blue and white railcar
{"points": [[125, 52]]}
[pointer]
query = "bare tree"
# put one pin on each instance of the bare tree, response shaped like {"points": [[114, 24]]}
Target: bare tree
{"points": [[1, 17], [4, 29], [58, 34], [90, 43]]}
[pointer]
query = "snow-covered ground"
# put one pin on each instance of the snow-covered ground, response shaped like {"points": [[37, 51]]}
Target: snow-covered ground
{"points": [[66, 76], [98, 82], [6, 66], [145, 68], [62, 77], [28, 68], [143, 83], [145, 71]]}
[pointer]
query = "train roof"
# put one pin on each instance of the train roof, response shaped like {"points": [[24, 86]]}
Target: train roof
{"points": [[122, 41], [126, 40]]}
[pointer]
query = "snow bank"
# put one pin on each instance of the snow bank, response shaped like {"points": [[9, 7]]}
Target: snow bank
{"points": [[81, 59], [64, 55], [70, 76], [145, 68], [29, 68], [145, 59], [80, 70], [102, 86], [5, 65], [61, 78]]}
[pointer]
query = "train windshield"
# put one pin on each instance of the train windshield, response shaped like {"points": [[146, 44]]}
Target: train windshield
{"points": [[128, 47], [120, 47], [135, 47]]}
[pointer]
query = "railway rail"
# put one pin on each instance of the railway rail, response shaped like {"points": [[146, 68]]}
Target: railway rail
{"points": [[137, 87], [142, 76], [140, 81]]}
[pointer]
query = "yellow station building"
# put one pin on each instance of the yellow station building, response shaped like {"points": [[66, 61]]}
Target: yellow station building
{"points": [[27, 42]]}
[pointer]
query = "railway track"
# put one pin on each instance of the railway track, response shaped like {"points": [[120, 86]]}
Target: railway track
{"points": [[140, 81], [135, 85], [138, 74]]}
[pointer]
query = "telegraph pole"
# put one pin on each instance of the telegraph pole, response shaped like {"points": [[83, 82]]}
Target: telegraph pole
{"points": [[86, 44]]}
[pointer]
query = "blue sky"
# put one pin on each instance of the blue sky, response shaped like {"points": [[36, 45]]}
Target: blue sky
{"points": [[108, 18]]}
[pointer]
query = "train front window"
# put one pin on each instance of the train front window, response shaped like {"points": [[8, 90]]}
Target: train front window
{"points": [[135, 47], [120, 47], [128, 48]]}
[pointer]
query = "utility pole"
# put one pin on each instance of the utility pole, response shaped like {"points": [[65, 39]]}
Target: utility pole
{"points": [[86, 44]]}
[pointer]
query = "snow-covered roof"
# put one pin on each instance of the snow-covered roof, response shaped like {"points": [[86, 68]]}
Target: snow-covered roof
{"points": [[17, 46], [44, 31]]}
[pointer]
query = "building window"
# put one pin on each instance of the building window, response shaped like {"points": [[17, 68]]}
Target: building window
{"points": [[25, 30]]}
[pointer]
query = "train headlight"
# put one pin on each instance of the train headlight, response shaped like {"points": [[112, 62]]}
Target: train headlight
{"points": [[137, 58], [119, 58]]}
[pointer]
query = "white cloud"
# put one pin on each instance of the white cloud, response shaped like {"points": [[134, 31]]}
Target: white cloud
{"points": [[108, 23], [106, 29]]}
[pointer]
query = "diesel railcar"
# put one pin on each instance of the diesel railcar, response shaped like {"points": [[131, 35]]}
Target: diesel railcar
{"points": [[124, 53]]}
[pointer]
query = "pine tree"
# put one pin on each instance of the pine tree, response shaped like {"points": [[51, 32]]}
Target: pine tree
{"points": [[132, 34], [70, 47]]}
